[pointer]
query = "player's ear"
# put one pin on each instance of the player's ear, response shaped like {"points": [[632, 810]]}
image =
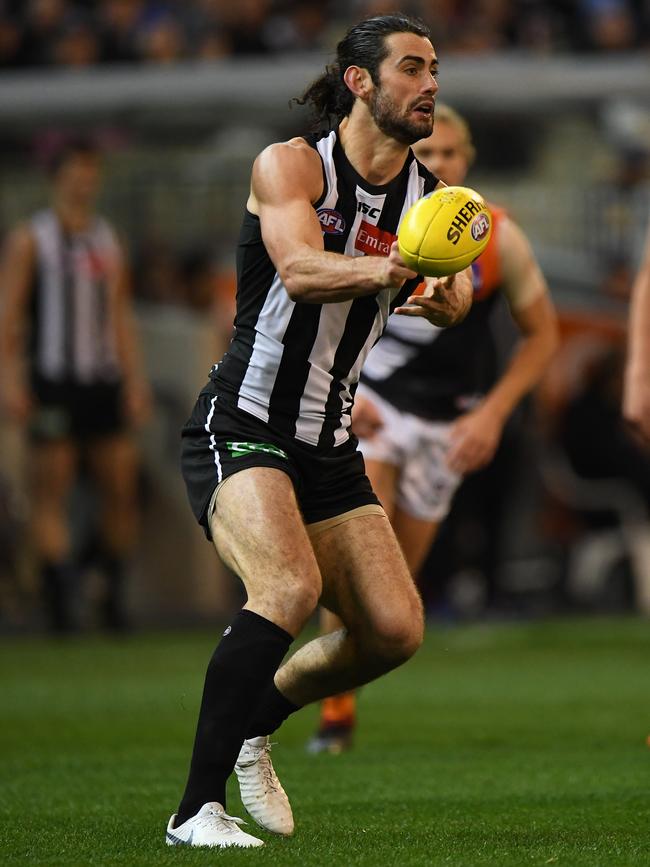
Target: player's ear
{"points": [[358, 81]]}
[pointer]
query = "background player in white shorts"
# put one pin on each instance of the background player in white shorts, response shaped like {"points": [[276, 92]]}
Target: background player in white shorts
{"points": [[428, 410]]}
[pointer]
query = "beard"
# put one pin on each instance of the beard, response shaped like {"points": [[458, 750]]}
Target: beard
{"points": [[403, 129]]}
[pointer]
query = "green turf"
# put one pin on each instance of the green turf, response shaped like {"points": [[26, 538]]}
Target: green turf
{"points": [[496, 745]]}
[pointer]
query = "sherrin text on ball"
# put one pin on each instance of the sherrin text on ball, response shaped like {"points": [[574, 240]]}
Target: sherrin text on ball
{"points": [[444, 232]]}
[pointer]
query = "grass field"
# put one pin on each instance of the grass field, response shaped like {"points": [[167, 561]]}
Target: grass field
{"points": [[496, 745]]}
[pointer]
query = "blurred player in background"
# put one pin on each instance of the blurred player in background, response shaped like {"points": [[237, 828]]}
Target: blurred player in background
{"points": [[636, 405], [72, 376], [428, 410], [273, 475]]}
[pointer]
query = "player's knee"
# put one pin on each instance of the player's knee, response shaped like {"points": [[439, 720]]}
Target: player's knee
{"points": [[303, 594], [290, 601], [397, 639]]}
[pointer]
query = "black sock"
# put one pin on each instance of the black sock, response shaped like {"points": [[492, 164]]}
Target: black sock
{"points": [[271, 712], [59, 592], [113, 604], [238, 674]]}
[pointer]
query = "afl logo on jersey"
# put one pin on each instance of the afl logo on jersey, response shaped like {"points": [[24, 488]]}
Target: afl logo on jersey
{"points": [[480, 226], [331, 221]]}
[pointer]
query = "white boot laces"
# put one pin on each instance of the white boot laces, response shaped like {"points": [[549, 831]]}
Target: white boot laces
{"points": [[225, 821], [262, 755]]}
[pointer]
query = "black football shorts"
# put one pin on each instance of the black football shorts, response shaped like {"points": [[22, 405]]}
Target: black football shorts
{"points": [[219, 440], [74, 411]]}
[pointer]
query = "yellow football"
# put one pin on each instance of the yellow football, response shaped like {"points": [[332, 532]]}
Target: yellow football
{"points": [[445, 231]]}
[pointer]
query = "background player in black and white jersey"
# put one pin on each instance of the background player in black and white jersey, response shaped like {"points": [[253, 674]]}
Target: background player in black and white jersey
{"points": [[430, 408], [272, 471], [72, 375], [636, 406]]}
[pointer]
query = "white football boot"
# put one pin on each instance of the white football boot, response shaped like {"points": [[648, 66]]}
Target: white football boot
{"points": [[261, 791], [211, 826]]}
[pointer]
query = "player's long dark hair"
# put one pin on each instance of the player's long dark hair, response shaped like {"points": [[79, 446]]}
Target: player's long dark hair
{"points": [[364, 45]]}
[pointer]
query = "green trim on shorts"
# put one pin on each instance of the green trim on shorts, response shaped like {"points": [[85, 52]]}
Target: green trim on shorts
{"points": [[239, 449]]}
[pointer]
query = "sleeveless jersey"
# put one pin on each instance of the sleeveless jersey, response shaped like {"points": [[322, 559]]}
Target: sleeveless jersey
{"points": [[296, 365], [71, 338], [439, 373]]}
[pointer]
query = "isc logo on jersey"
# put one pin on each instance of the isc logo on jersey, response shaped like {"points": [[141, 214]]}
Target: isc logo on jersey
{"points": [[331, 221], [369, 211]]}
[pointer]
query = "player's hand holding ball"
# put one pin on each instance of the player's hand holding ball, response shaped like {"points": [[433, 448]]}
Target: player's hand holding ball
{"points": [[444, 301], [441, 235]]}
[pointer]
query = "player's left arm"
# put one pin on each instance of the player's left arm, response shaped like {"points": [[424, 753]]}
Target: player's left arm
{"points": [[136, 391], [636, 397], [476, 435], [445, 301]]}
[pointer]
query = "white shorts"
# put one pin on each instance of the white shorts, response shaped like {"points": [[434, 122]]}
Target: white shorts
{"points": [[425, 484]]}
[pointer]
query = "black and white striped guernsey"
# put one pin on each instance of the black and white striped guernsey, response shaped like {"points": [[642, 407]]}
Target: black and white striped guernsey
{"points": [[72, 337], [296, 365]]}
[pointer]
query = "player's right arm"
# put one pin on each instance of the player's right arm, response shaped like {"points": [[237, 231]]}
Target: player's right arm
{"points": [[636, 400], [136, 393], [287, 179], [16, 270]]}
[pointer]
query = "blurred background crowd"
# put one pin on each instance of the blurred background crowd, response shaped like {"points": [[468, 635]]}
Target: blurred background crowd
{"points": [[557, 96], [77, 34]]}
